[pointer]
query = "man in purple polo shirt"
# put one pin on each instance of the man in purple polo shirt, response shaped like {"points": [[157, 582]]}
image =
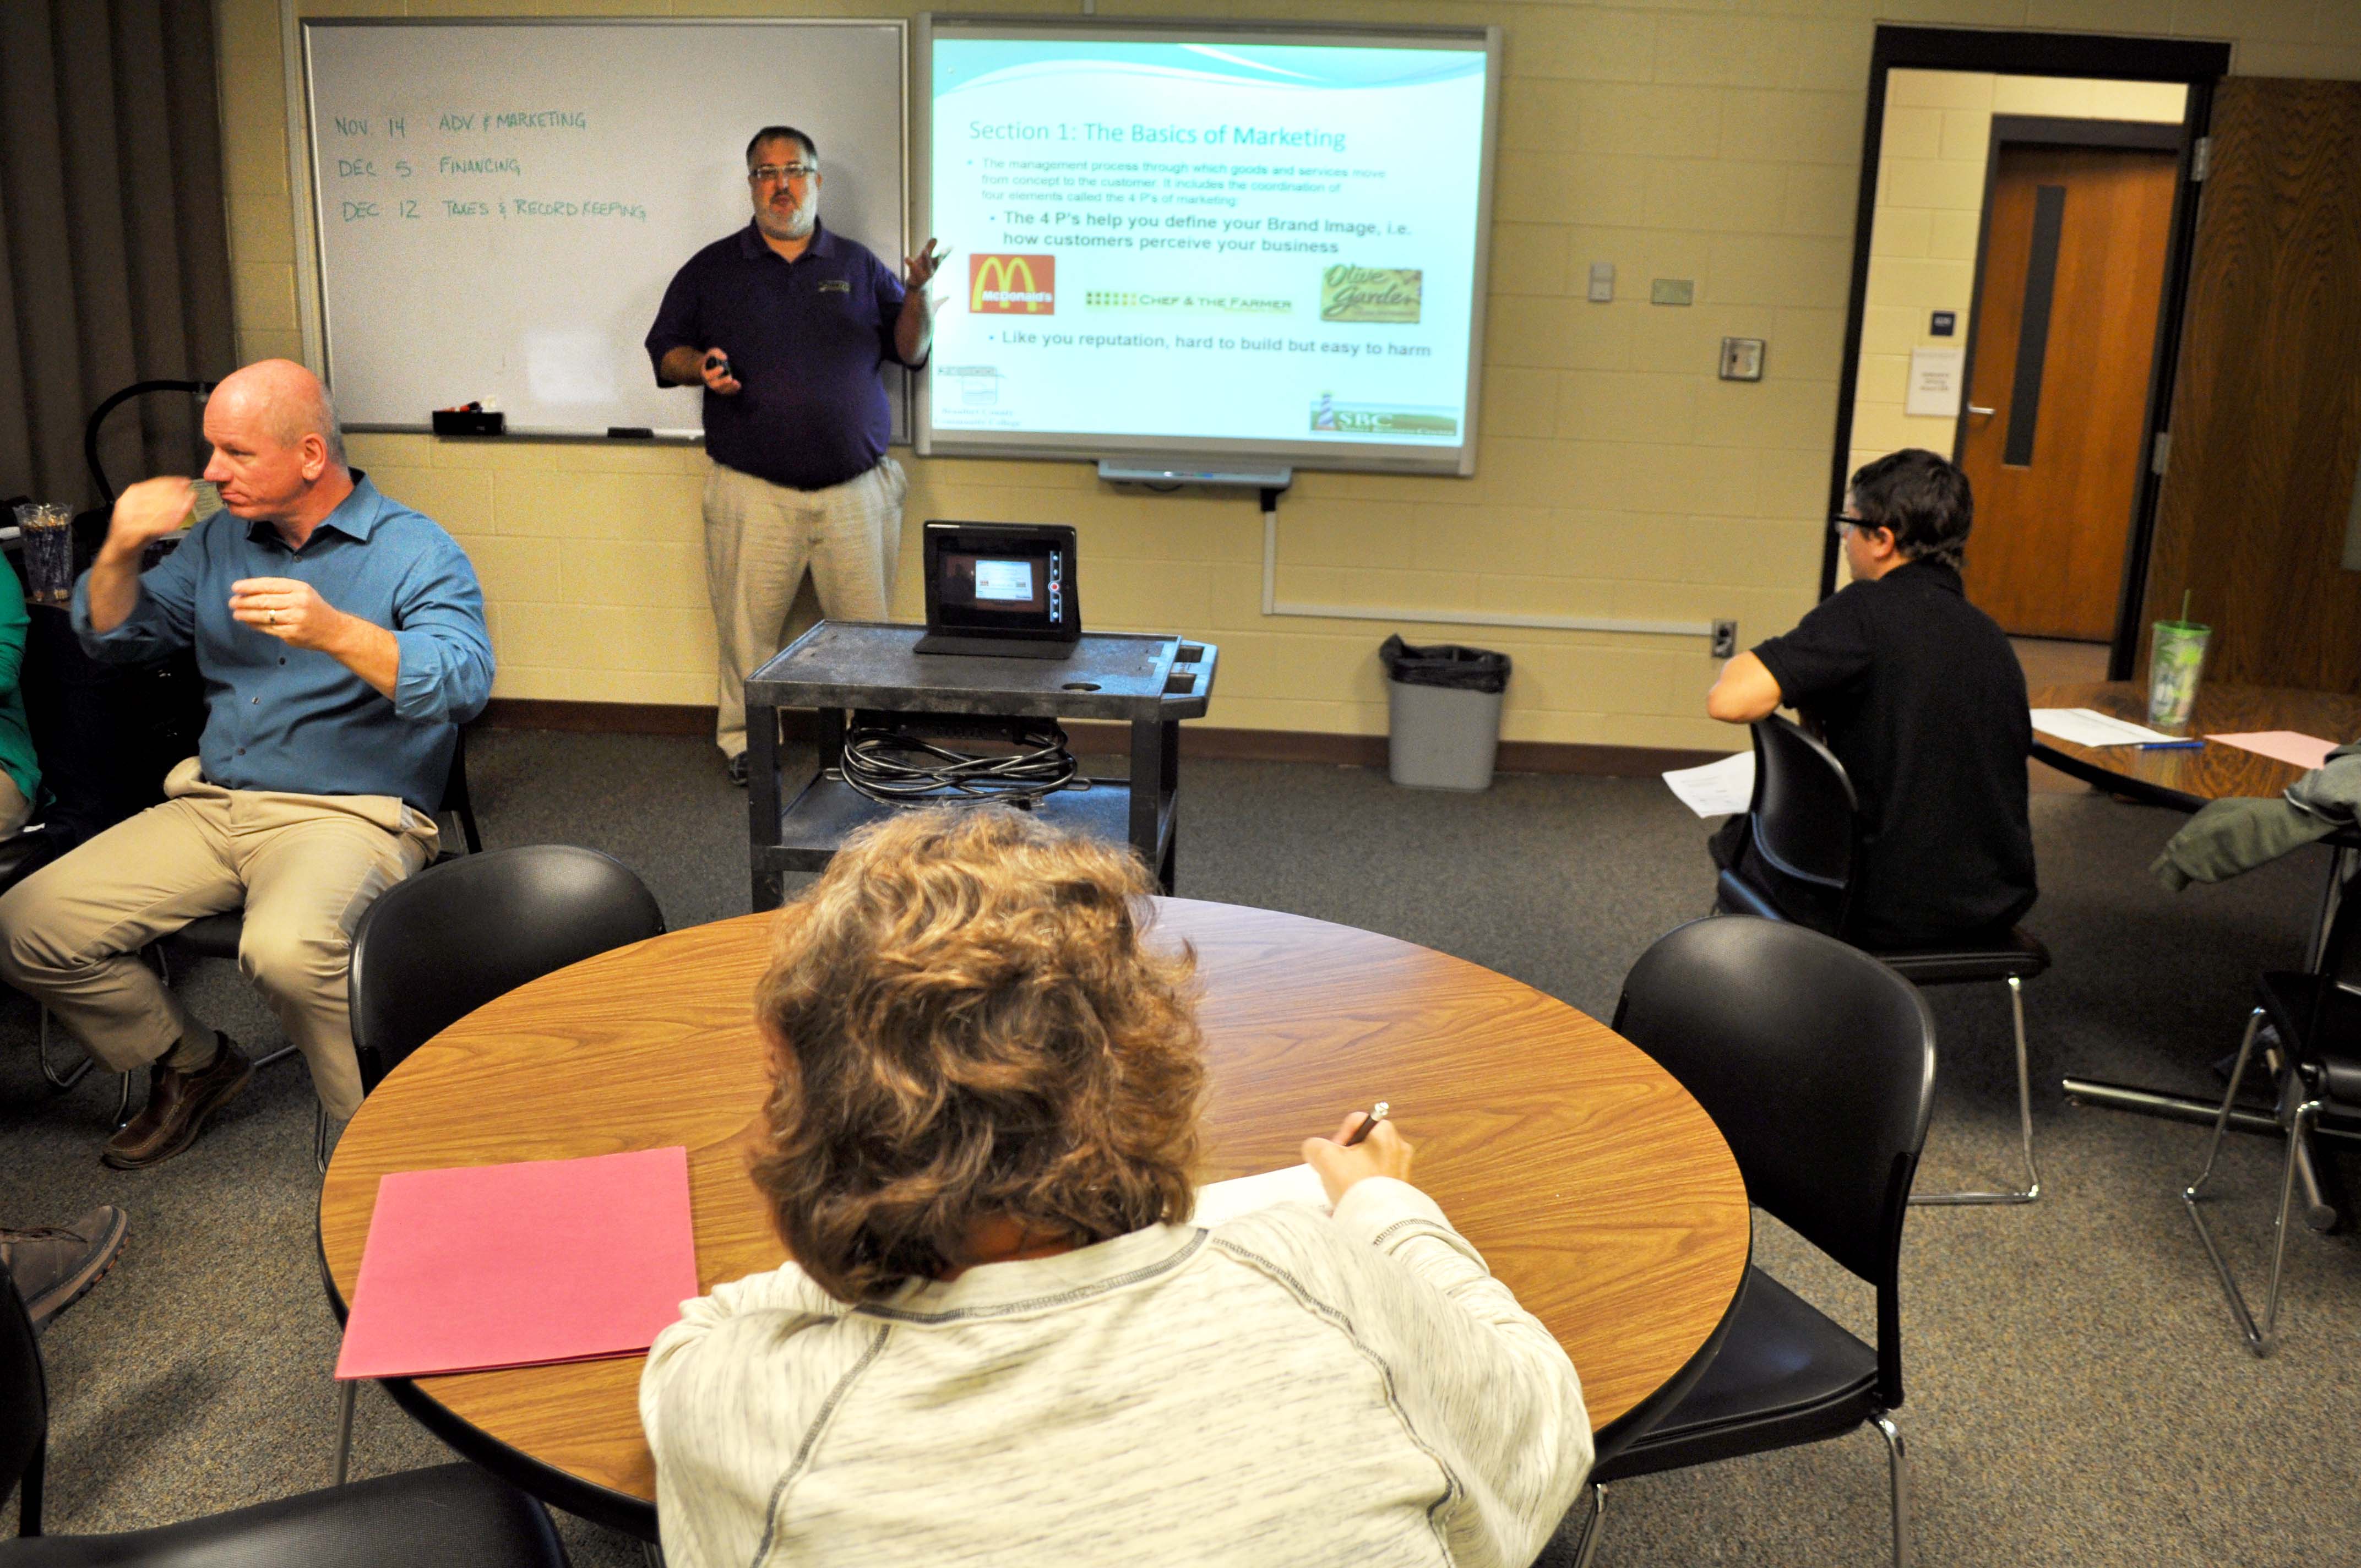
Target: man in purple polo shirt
{"points": [[786, 326]]}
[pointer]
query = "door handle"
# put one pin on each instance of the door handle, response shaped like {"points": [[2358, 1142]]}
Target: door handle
{"points": [[1986, 412]]}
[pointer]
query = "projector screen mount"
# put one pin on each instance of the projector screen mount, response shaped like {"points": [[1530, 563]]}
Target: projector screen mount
{"points": [[1206, 248]]}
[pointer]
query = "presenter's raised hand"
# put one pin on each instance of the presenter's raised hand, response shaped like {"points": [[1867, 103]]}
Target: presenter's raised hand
{"points": [[715, 367], [1384, 1152], [149, 510], [289, 610], [919, 270]]}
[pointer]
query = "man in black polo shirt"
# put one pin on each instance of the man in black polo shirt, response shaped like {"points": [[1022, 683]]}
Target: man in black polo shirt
{"points": [[786, 326], [1920, 696]]}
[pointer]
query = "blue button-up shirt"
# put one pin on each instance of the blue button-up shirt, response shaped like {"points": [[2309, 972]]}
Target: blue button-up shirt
{"points": [[805, 338], [282, 717]]}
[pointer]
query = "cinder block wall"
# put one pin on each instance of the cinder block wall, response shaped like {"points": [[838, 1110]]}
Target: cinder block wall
{"points": [[1717, 140]]}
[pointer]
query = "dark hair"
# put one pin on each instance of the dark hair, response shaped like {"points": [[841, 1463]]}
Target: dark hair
{"points": [[1922, 497], [966, 1025], [781, 133]]}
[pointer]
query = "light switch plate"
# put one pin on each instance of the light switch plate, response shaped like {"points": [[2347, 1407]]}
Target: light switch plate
{"points": [[1725, 639], [1742, 360], [1602, 281], [1672, 291]]}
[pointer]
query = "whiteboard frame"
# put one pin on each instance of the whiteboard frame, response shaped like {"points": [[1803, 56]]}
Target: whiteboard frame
{"points": [[1207, 451], [311, 262]]}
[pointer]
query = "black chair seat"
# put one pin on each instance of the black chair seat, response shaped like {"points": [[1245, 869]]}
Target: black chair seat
{"points": [[1786, 1375], [211, 936], [452, 1513], [1976, 957], [2324, 1019]]}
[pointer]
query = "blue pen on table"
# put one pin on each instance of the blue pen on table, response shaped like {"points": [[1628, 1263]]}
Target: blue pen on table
{"points": [[2171, 745]]}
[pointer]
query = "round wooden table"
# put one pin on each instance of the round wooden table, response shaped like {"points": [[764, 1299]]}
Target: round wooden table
{"points": [[2186, 780], [1595, 1187]]}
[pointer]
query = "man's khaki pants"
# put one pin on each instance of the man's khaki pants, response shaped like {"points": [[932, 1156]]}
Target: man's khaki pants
{"points": [[759, 538], [305, 866]]}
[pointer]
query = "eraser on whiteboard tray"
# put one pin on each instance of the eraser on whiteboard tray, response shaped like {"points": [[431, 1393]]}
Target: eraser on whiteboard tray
{"points": [[470, 421]]}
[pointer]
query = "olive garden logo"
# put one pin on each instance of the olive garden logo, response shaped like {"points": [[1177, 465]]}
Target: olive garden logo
{"points": [[1369, 293]]}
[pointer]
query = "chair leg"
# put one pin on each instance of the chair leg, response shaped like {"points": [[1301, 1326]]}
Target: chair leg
{"points": [[1588, 1547], [1898, 1463], [123, 1100], [2031, 1191], [2259, 1340], [346, 1394], [57, 1081], [324, 1132], [29, 1489]]}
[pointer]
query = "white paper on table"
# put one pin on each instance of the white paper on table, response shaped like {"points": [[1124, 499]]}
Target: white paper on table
{"points": [[1222, 1201], [2088, 727], [1716, 789]]}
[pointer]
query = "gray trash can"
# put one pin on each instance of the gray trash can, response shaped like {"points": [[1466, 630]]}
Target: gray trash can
{"points": [[1443, 705]]}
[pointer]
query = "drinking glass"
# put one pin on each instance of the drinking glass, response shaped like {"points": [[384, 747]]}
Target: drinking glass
{"points": [[2173, 666], [47, 531]]}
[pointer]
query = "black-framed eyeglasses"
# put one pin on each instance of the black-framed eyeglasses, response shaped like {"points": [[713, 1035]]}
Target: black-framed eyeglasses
{"points": [[778, 173], [1843, 526]]}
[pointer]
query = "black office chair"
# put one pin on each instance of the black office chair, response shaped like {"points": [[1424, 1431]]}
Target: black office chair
{"points": [[2317, 1017], [1803, 842], [219, 936], [433, 950], [452, 1513], [1817, 1063]]}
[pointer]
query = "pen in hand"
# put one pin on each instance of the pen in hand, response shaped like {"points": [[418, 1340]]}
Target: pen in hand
{"points": [[1368, 1124]]}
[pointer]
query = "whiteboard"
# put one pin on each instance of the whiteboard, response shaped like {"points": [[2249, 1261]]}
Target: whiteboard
{"points": [[498, 206]]}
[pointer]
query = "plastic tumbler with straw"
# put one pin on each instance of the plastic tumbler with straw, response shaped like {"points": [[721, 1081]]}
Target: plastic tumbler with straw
{"points": [[2173, 666]]}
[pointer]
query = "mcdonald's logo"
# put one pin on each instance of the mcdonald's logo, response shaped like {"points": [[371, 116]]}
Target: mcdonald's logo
{"points": [[1007, 285]]}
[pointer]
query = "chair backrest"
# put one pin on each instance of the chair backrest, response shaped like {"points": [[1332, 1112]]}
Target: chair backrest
{"points": [[1804, 825], [433, 948], [23, 1404], [1817, 1063]]}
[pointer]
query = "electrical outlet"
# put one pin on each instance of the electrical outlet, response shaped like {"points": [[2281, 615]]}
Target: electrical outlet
{"points": [[1725, 639], [1742, 360], [1602, 282]]}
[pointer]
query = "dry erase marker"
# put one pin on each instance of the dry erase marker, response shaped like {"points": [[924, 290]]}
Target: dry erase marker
{"points": [[1368, 1124], [2172, 745]]}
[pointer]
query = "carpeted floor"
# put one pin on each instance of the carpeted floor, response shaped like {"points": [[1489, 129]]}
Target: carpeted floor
{"points": [[2077, 1394]]}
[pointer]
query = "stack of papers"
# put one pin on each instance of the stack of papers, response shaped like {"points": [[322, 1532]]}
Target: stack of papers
{"points": [[1717, 789], [491, 1265], [2088, 727]]}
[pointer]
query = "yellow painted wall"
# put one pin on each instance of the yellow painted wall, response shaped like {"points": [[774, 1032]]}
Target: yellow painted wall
{"points": [[1717, 140], [1930, 192]]}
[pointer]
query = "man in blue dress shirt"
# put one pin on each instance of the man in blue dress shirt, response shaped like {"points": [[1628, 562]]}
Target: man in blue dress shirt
{"points": [[785, 325], [341, 638]]}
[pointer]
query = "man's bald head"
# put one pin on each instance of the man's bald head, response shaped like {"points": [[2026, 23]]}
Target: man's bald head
{"points": [[287, 402]]}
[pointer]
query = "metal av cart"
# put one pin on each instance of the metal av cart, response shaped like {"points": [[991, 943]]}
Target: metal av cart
{"points": [[838, 666]]}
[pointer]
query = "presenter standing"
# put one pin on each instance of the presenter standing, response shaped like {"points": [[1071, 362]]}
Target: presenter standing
{"points": [[785, 325]]}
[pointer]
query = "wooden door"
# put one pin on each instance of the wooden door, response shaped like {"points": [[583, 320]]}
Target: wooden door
{"points": [[2259, 488], [2075, 242]]}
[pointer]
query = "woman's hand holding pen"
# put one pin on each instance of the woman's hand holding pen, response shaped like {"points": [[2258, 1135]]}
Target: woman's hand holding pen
{"points": [[1341, 1161]]}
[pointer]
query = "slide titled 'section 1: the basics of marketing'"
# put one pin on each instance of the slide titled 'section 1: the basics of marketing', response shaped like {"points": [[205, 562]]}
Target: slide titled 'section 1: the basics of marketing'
{"points": [[1253, 242]]}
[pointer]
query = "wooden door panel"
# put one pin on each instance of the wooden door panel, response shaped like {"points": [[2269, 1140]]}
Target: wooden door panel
{"points": [[2266, 408], [2046, 553]]}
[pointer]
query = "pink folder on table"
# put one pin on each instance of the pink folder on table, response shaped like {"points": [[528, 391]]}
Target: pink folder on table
{"points": [[489, 1265], [2305, 752]]}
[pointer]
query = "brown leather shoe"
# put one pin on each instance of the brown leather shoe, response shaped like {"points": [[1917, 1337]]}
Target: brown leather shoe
{"points": [[178, 1104]]}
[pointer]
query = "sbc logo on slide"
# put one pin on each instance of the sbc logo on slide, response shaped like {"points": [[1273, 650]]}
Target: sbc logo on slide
{"points": [[1002, 285]]}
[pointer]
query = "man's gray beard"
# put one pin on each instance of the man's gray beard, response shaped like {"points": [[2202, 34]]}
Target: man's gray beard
{"points": [[764, 222]]}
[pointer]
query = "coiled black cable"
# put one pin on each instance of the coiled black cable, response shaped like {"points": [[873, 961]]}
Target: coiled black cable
{"points": [[897, 768]]}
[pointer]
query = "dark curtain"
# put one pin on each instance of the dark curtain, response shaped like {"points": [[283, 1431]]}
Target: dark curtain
{"points": [[113, 241]]}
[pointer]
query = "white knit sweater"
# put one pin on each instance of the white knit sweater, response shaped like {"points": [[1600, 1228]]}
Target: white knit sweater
{"points": [[1288, 1389]]}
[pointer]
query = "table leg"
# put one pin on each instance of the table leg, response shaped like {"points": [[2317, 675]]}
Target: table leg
{"points": [[763, 800]]}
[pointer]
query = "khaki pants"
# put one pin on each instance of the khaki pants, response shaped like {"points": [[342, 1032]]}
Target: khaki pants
{"points": [[759, 537], [305, 866]]}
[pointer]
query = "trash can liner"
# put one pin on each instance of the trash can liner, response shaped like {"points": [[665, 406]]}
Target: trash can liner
{"points": [[1445, 664]]}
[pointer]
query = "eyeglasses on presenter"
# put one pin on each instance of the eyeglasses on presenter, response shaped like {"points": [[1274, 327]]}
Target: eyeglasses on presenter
{"points": [[782, 173]]}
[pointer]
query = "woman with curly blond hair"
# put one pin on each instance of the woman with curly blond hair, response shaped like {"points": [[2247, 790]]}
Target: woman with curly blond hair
{"points": [[1001, 1340]]}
